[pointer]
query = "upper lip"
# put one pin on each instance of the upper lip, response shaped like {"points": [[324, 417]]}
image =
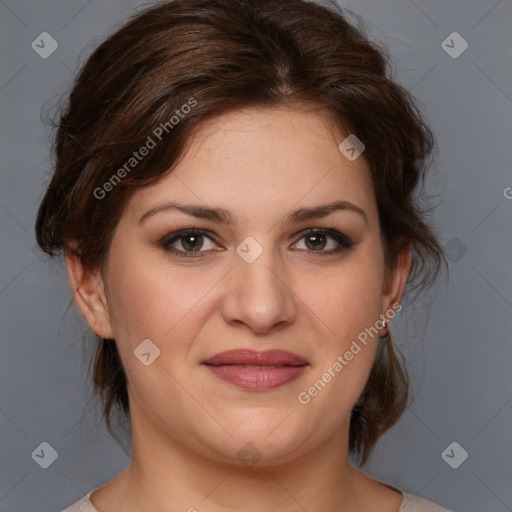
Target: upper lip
{"points": [[256, 358]]}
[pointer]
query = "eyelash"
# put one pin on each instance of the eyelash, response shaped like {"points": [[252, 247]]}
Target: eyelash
{"points": [[344, 241]]}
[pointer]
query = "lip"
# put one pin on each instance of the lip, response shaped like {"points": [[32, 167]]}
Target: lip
{"points": [[254, 370], [256, 358]]}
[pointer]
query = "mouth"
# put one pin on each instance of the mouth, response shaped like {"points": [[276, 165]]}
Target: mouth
{"points": [[256, 371]]}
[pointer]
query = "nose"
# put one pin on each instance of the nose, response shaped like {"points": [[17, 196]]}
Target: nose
{"points": [[258, 296]]}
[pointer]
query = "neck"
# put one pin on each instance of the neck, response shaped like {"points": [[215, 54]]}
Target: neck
{"points": [[165, 475]]}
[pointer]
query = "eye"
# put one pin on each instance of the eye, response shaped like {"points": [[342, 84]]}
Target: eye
{"points": [[316, 240], [190, 240], [190, 243]]}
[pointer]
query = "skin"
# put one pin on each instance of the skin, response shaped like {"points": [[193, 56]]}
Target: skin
{"points": [[187, 424]]}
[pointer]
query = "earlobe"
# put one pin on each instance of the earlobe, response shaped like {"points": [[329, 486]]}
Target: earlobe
{"points": [[89, 294]]}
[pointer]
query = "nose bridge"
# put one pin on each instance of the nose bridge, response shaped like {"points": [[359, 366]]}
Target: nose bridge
{"points": [[257, 295]]}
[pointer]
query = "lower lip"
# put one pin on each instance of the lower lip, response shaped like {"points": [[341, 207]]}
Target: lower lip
{"points": [[257, 378]]}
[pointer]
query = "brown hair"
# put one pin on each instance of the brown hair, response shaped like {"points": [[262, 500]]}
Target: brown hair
{"points": [[215, 56]]}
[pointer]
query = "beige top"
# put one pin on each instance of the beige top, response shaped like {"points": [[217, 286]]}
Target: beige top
{"points": [[410, 503]]}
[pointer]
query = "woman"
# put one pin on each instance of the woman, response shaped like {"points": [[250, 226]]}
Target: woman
{"points": [[233, 195]]}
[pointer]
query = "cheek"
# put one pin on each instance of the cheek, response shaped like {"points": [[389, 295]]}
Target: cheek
{"points": [[349, 300], [136, 302], [148, 301]]}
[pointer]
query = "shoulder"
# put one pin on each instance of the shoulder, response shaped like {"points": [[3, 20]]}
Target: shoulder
{"points": [[413, 503], [374, 487], [82, 505], [410, 503]]}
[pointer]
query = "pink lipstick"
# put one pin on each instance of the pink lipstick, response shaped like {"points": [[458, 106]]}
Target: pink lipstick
{"points": [[256, 371]]}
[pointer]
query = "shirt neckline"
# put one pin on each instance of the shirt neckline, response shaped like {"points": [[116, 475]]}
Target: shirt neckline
{"points": [[88, 496]]}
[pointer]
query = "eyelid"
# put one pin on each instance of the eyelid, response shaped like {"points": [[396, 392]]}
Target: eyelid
{"points": [[344, 242], [176, 235]]}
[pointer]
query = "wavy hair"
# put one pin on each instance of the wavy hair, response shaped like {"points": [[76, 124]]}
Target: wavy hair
{"points": [[228, 55]]}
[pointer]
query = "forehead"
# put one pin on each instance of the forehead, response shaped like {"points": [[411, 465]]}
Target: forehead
{"points": [[259, 161]]}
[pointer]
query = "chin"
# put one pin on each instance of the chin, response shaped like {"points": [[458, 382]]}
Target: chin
{"points": [[263, 437]]}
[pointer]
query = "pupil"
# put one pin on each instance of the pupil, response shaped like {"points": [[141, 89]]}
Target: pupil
{"points": [[317, 238], [195, 241]]}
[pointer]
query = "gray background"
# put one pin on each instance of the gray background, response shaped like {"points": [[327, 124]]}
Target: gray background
{"points": [[459, 361]]}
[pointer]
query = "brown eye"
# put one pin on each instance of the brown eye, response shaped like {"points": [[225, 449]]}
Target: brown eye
{"points": [[186, 242], [192, 242], [316, 240]]}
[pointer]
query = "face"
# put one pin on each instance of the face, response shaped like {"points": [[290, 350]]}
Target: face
{"points": [[265, 267]]}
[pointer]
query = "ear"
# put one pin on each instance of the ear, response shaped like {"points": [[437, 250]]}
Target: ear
{"points": [[89, 293], [396, 279]]}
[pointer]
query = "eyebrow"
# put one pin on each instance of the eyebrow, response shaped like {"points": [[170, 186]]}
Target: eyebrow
{"points": [[222, 216]]}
